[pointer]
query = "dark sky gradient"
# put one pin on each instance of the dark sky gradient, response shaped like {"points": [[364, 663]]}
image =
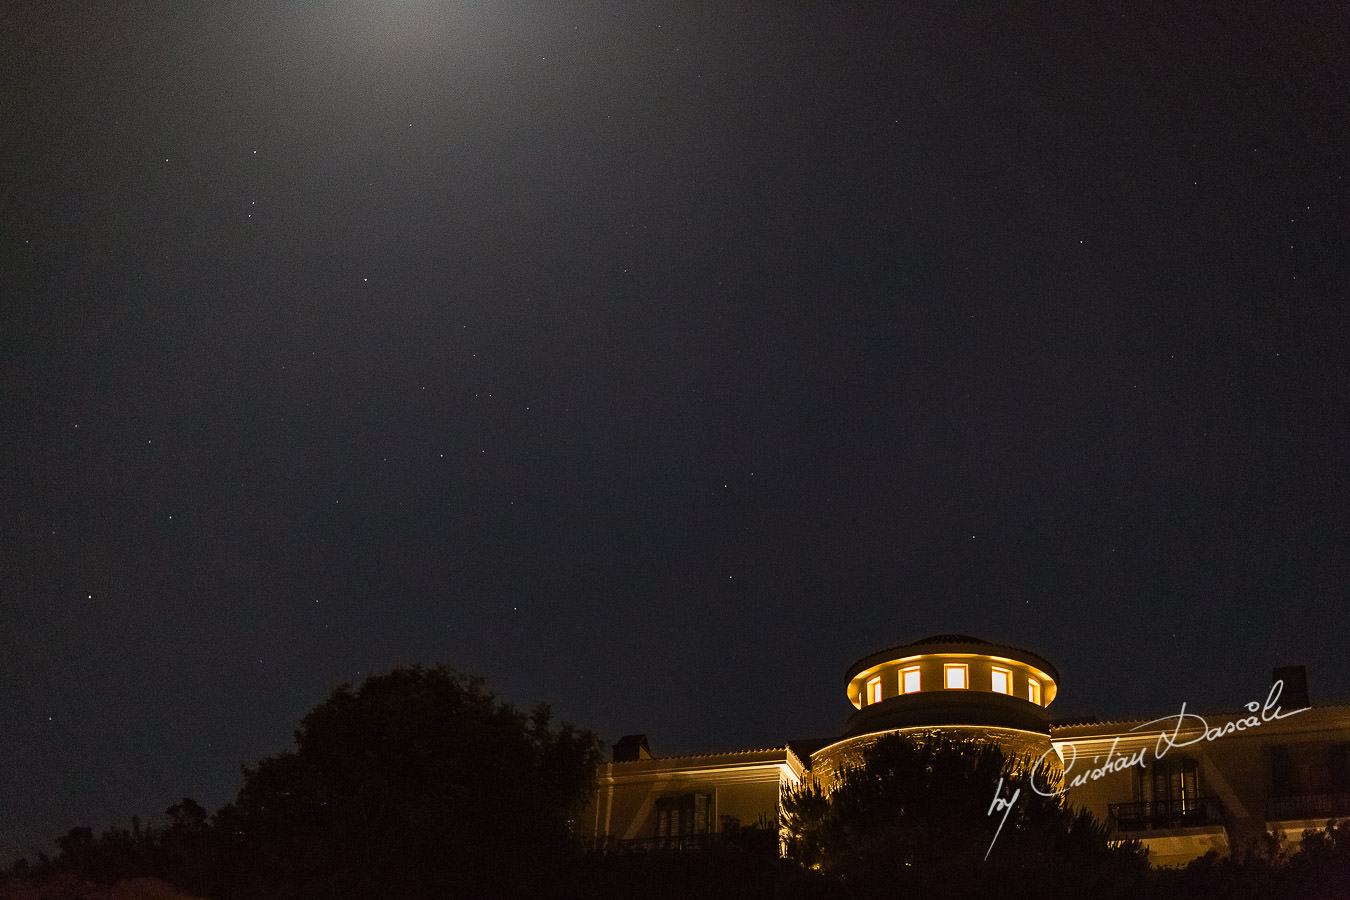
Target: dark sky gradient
{"points": [[656, 360]]}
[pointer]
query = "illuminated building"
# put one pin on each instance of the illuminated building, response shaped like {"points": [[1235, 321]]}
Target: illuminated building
{"points": [[953, 683], [1215, 781], [680, 802], [1265, 767]]}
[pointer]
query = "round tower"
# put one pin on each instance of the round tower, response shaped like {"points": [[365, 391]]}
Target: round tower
{"points": [[947, 683]]}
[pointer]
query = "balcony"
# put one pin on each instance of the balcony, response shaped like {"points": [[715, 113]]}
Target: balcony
{"points": [[1164, 815], [752, 840], [1308, 806], [672, 844]]}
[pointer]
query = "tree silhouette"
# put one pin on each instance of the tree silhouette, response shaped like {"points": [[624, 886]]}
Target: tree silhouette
{"points": [[417, 782], [916, 815]]}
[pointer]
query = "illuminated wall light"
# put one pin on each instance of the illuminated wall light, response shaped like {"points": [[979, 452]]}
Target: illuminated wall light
{"points": [[910, 682], [956, 676]]}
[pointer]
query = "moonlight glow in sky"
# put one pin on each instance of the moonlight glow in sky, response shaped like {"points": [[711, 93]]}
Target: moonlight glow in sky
{"points": [[655, 360]]}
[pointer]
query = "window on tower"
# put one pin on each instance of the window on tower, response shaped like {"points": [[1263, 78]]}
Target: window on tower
{"points": [[1001, 680], [909, 680], [874, 690], [956, 676]]}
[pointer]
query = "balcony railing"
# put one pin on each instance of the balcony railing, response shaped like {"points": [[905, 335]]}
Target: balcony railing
{"points": [[1161, 815], [674, 843], [1308, 806]]}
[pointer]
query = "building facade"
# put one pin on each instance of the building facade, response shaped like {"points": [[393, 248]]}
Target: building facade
{"points": [[683, 802], [1182, 784], [1188, 783]]}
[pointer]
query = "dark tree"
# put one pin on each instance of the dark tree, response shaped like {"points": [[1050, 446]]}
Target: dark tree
{"points": [[915, 816], [1322, 860], [1266, 867], [417, 782]]}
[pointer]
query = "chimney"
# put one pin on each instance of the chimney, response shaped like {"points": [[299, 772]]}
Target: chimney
{"points": [[632, 747], [1294, 694]]}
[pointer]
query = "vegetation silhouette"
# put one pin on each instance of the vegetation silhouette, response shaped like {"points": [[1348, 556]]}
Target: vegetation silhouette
{"points": [[916, 814], [420, 783]]}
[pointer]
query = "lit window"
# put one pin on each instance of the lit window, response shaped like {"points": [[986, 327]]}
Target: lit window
{"points": [[874, 690], [1001, 680], [955, 675], [1034, 691], [909, 680]]}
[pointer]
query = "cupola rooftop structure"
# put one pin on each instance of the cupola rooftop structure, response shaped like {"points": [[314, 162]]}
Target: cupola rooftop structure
{"points": [[950, 683]]}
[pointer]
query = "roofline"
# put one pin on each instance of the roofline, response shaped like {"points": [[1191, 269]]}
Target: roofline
{"points": [[722, 754], [934, 643], [938, 730], [1218, 714]]}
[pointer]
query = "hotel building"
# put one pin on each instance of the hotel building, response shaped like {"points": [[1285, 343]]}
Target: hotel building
{"points": [[1182, 786]]}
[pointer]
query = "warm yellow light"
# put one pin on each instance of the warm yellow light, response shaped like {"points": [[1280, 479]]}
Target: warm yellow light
{"points": [[858, 691], [955, 675], [874, 690], [1001, 680], [1034, 691], [909, 680]]}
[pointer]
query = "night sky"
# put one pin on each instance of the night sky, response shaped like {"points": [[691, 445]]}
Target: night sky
{"points": [[656, 360]]}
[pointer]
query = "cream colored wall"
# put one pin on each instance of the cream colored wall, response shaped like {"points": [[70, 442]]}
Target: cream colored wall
{"points": [[625, 802], [1186, 844]]}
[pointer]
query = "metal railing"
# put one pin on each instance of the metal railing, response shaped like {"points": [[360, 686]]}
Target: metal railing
{"points": [[675, 843], [1308, 806], [1161, 815]]}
